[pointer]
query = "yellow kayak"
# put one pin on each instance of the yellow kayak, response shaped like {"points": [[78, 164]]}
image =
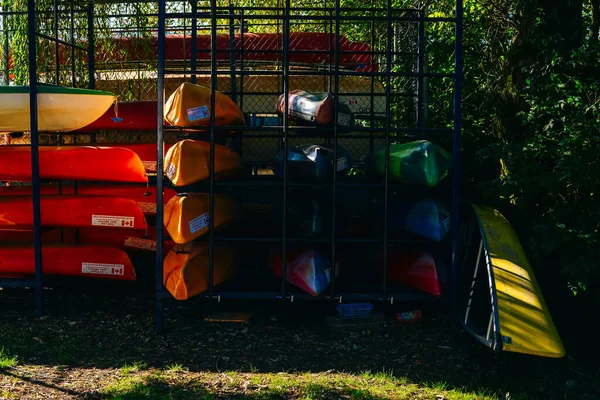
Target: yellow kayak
{"points": [[501, 304], [189, 106], [187, 215], [188, 162], [60, 109], [185, 274]]}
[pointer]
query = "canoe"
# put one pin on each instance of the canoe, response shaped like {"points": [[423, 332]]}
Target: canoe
{"points": [[427, 218], [307, 108], [69, 260], [60, 109], [145, 151], [308, 270], [185, 274], [420, 163], [127, 239], [500, 302], [190, 106], [411, 268], [188, 162], [313, 161], [127, 116], [187, 215], [72, 163], [77, 211], [144, 196]]}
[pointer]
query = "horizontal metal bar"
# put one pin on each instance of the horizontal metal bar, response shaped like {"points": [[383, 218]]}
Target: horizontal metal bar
{"points": [[62, 42], [356, 240], [321, 73], [310, 131]]}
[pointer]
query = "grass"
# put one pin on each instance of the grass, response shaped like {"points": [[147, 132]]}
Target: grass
{"points": [[128, 369], [6, 361]]}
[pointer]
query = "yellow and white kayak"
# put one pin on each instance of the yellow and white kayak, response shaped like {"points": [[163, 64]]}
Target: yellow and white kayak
{"points": [[500, 302], [60, 109]]}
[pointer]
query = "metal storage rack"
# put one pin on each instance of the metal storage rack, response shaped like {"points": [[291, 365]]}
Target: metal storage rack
{"points": [[49, 37], [231, 63]]}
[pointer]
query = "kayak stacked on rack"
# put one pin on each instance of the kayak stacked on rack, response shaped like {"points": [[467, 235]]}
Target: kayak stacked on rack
{"points": [[187, 216], [87, 208]]}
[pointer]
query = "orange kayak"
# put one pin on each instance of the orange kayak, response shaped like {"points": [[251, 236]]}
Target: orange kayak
{"points": [[70, 260], [127, 239], [187, 215], [144, 196], [109, 164], [76, 211], [188, 162], [145, 151], [185, 274], [189, 106]]}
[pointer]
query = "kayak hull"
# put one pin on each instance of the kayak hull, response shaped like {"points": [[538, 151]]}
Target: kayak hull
{"points": [[186, 216], [127, 116], [60, 109], [72, 163], [76, 211], [144, 196], [186, 274], [411, 268], [188, 162], [99, 262]]}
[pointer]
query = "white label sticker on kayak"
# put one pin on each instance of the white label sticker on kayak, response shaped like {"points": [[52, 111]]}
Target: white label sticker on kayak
{"points": [[342, 163], [139, 243], [112, 220], [149, 165], [171, 171], [198, 113], [199, 223], [102, 269], [147, 207]]}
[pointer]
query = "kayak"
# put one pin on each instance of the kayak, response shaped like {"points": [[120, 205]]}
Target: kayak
{"points": [[72, 163], [187, 215], [127, 239], [314, 109], [415, 269], [188, 162], [427, 218], [127, 116], [185, 274], [308, 270], [60, 109], [144, 196], [75, 211], [420, 163], [189, 106], [69, 260], [500, 303], [313, 161], [145, 151]]}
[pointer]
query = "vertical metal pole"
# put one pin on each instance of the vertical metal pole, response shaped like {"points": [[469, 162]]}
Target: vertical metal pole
{"points": [[420, 66], [91, 47], [388, 121], [336, 97], [232, 55], [372, 96], [286, 105], [213, 90], [241, 103], [73, 72], [194, 42], [159, 167], [35, 167], [5, 46], [56, 55], [456, 174]]}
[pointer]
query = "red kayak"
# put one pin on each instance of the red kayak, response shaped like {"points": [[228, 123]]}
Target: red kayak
{"points": [[76, 211], [110, 164], [145, 151], [69, 260], [144, 196], [127, 239], [127, 116], [411, 268]]}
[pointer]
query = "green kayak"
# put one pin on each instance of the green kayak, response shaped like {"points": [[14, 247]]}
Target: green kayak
{"points": [[420, 162]]}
